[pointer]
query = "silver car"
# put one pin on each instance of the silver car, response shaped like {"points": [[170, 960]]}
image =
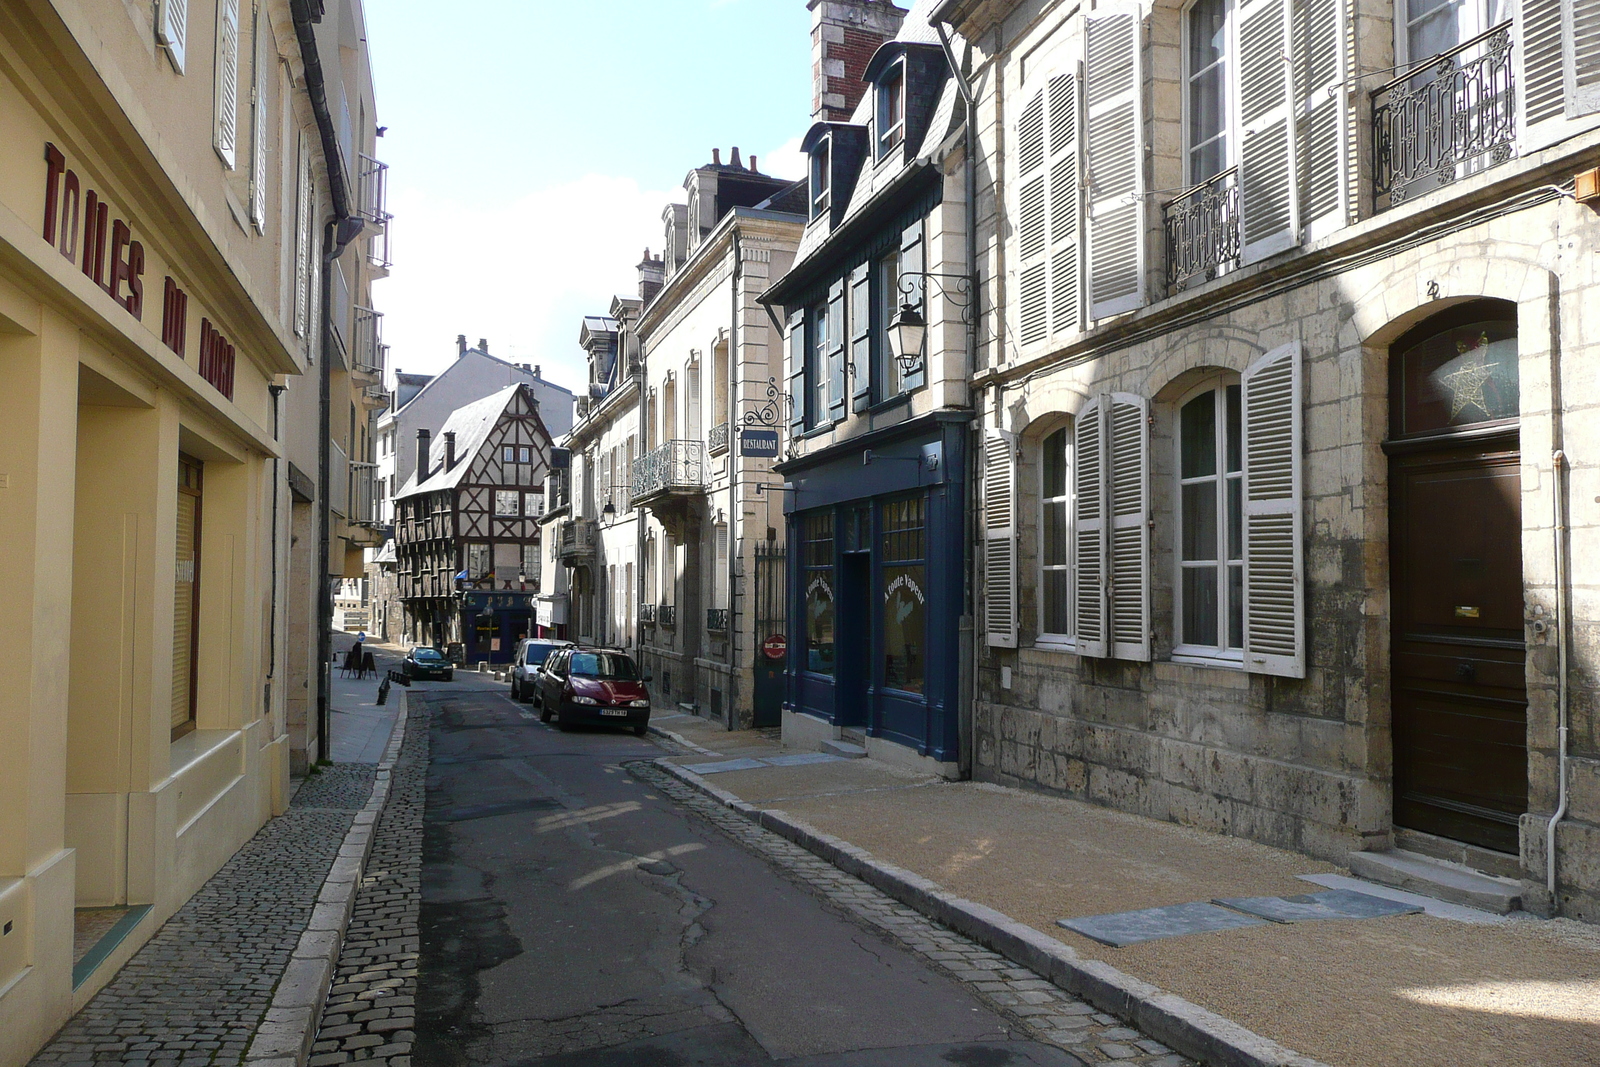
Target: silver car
{"points": [[528, 662]]}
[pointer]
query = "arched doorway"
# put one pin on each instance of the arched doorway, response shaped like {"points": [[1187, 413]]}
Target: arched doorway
{"points": [[1458, 689]]}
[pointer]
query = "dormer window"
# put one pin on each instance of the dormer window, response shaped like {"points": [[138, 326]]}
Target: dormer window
{"points": [[820, 185], [891, 109]]}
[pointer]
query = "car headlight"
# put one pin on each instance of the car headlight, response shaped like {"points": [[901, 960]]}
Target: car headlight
{"points": [[584, 700], [639, 704]]}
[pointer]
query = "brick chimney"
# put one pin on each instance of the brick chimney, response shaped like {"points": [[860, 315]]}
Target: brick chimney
{"points": [[844, 34], [483, 345], [652, 275]]}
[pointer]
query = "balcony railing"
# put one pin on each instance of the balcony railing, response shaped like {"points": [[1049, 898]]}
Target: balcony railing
{"points": [[367, 350], [647, 614], [1203, 231], [675, 467], [579, 538], [365, 498], [338, 480], [718, 440], [1451, 115], [667, 615], [374, 207], [717, 619]]}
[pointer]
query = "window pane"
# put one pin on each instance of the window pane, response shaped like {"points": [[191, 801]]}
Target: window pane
{"points": [[1200, 606], [1236, 607], [1057, 614], [1207, 26], [904, 626], [1055, 464], [819, 621], [1235, 518], [1207, 106], [1235, 457], [1200, 521], [1199, 436], [1054, 549]]}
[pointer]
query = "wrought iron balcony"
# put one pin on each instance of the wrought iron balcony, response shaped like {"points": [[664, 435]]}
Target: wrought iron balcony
{"points": [[717, 619], [367, 350], [1202, 227], [366, 500], [579, 540], [676, 468], [667, 615], [718, 439], [647, 614], [1449, 116]]}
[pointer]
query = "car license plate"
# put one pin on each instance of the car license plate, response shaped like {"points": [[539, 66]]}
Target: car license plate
{"points": [[620, 712]]}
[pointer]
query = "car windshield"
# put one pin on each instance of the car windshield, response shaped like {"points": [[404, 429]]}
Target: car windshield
{"points": [[427, 655], [537, 652], [608, 665]]}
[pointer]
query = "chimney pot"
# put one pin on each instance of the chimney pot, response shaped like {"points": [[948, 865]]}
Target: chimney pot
{"points": [[449, 450], [753, 169], [716, 157], [733, 160], [536, 370], [461, 344], [422, 455], [483, 345]]}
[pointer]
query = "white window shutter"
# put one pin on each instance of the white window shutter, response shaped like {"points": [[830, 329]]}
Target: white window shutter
{"points": [[1321, 120], [1580, 56], [1089, 527], [1030, 136], [1033, 225], [302, 237], [172, 30], [1128, 504], [1113, 84], [259, 66], [227, 95], [1274, 563], [1000, 539], [1268, 207], [1065, 178], [1539, 58]]}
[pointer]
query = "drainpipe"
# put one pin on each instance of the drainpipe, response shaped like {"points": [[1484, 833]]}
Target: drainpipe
{"points": [[968, 629], [1558, 465], [277, 470], [731, 704]]}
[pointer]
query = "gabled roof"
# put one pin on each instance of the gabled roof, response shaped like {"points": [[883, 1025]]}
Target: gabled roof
{"points": [[471, 425], [477, 352]]}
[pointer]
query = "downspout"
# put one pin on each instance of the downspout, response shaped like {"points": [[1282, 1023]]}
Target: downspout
{"points": [[968, 629], [1558, 465], [731, 704], [277, 471]]}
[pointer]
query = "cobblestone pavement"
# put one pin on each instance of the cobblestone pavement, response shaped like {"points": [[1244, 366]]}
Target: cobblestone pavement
{"points": [[197, 991], [370, 1014], [1040, 1009]]}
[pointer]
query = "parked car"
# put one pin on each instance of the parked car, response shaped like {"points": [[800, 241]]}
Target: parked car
{"points": [[593, 686], [529, 662], [425, 662]]}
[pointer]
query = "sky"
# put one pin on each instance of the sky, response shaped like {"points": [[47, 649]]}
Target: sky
{"points": [[533, 145]]}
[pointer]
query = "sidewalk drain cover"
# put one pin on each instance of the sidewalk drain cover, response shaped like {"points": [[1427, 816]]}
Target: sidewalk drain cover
{"points": [[1309, 907], [1132, 927]]}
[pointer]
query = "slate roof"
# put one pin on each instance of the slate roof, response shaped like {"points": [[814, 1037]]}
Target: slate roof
{"points": [[471, 425]]}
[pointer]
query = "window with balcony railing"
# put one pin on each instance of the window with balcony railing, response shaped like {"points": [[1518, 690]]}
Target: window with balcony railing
{"points": [[365, 497], [374, 207], [367, 350], [675, 466]]}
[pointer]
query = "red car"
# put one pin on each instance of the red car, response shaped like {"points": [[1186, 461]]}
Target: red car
{"points": [[594, 687]]}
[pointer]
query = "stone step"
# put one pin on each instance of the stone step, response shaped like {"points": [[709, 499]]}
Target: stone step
{"points": [[844, 749], [1439, 879]]}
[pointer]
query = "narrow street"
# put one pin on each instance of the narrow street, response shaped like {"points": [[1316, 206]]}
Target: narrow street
{"points": [[573, 914]]}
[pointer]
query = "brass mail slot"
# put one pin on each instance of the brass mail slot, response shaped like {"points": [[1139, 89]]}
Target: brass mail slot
{"points": [[1466, 612]]}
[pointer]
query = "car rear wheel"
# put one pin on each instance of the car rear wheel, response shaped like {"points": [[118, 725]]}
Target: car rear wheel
{"points": [[544, 711], [516, 693]]}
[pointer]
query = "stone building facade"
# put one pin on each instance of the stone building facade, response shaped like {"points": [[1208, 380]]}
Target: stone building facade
{"points": [[1283, 421]]}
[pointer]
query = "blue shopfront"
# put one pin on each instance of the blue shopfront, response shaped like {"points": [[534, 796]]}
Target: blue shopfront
{"points": [[493, 622], [876, 565]]}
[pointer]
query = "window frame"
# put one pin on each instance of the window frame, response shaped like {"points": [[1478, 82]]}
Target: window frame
{"points": [[499, 497], [889, 98], [885, 305], [1221, 654], [1474, 22], [1229, 64], [1044, 638], [818, 391], [821, 183]]}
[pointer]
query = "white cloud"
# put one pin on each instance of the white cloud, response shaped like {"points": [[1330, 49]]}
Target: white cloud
{"points": [[785, 161], [521, 273]]}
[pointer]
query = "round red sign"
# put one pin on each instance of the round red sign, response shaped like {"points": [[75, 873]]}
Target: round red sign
{"points": [[775, 646]]}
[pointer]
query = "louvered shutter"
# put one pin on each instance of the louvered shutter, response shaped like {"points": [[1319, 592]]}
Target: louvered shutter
{"points": [[1000, 539], [172, 30], [797, 374], [1128, 502], [1538, 53], [302, 239], [1274, 565], [1113, 78], [1321, 154], [259, 66], [1268, 207], [227, 90], [1065, 246], [1580, 59], [835, 352], [913, 260], [861, 363], [1089, 527], [1033, 225]]}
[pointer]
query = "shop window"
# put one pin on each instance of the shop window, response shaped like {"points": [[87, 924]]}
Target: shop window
{"points": [[817, 573], [1055, 538], [1210, 593], [905, 598]]}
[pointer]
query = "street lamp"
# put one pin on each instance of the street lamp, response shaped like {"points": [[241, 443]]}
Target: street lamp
{"points": [[907, 330], [608, 512]]}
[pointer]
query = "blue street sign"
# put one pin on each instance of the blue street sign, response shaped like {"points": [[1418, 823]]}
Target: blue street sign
{"points": [[758, 443]]}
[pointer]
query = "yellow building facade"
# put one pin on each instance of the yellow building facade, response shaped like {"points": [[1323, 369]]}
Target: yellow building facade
{"points": [[161, 172]]}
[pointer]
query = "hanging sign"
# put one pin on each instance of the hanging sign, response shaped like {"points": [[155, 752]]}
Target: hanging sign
{"points": [[758, 443]]}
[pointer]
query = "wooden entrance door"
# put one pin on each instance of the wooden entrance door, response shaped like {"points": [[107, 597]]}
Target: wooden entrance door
{"points": [[1459, 693]]}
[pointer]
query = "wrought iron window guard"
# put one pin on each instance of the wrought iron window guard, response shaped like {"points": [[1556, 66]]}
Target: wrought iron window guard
{"points": [[1452, 114], [717, 619], [647, 614], [1202, 225], [718, 439], [667, 615]]}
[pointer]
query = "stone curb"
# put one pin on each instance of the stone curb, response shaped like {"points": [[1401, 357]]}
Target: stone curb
{"points": [[289, 1028], [1185, 1027], [681, 740]]}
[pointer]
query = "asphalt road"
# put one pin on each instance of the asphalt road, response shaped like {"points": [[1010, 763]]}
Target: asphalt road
{"points": [[573, 916]]}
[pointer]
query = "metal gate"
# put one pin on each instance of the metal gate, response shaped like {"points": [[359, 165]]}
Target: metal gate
{"points": [[771, 622]]}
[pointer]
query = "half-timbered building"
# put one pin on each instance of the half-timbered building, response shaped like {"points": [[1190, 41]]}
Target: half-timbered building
{"points": [[467, 528]]}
